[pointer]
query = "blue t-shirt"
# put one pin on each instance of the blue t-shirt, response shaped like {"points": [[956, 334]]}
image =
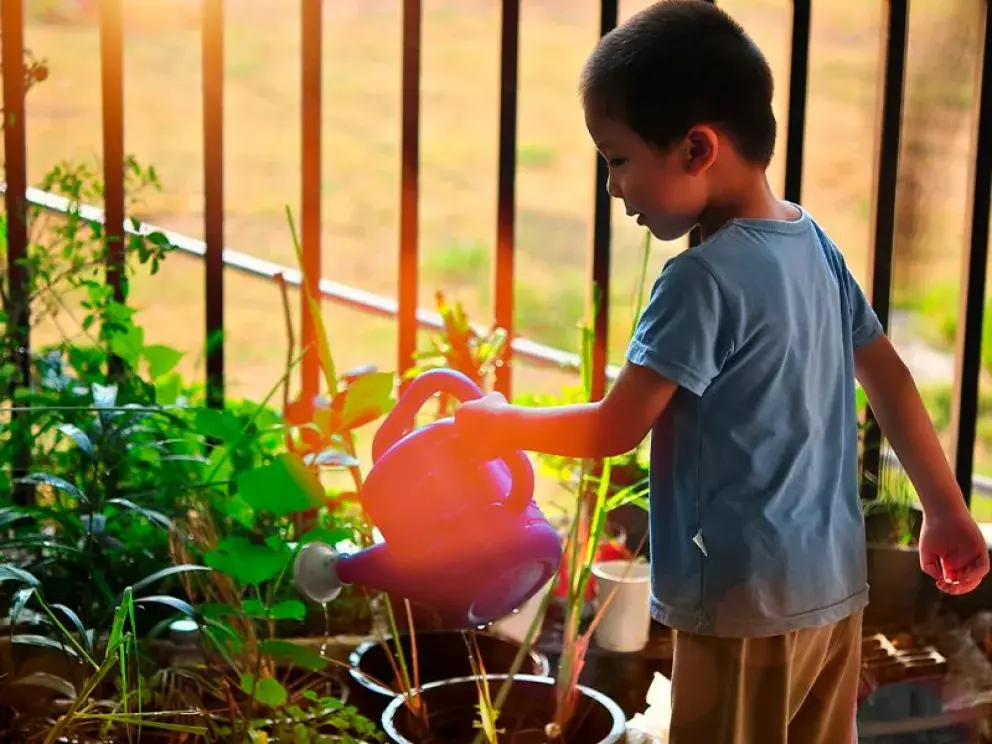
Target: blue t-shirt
{"points": [[755, 524]]}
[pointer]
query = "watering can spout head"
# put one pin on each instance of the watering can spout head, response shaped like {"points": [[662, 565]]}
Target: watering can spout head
{"points": [[315, 572]]}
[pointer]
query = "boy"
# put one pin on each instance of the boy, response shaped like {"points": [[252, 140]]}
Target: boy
{"points": [[743, 366]]}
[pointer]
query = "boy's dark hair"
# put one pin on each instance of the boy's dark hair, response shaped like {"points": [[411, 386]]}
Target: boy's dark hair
{"points": [[679, 63]]}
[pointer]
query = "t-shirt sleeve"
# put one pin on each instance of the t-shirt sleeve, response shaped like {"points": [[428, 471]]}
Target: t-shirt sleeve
{"points": [[685, 333], [865, 325]]}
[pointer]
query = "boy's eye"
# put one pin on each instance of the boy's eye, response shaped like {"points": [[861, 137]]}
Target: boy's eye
{"points": [[616, 162]]}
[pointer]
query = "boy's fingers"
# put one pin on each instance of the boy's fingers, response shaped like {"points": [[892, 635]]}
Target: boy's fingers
{"points": [[958, 587], [976, 569], [931, 566]]}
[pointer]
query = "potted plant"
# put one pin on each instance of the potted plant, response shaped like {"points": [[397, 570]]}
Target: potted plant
{"points": [[87, 684], [900, 591]]}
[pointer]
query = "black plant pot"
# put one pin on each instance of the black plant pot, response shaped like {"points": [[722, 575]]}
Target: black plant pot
{"points": [[529, 707], [900, 593], [441, 655]]}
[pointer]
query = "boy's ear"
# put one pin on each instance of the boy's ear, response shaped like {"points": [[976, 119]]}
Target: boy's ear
{"points": [[701, 147]]}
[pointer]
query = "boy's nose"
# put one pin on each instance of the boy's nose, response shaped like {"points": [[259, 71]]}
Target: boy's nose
{"points": [[612, 187]]}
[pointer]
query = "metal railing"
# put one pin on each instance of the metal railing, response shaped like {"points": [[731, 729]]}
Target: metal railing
{"points": [[409, 316]]}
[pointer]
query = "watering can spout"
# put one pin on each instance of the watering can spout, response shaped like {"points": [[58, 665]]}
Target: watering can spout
{"points": [[320, 572]]}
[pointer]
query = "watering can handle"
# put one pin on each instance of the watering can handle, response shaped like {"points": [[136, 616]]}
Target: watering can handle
{"points": [[400, 421]]}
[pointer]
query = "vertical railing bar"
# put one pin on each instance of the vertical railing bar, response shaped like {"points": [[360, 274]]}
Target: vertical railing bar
{"points": [[112, 93], [409, 187], [893, 39], [601, 238], [975, 266], [18, 333], [798, 83], [506, 204], [213, 189], [311, 169]]}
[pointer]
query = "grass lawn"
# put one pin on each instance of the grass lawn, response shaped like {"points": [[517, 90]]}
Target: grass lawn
{"points": [[459, 140]]}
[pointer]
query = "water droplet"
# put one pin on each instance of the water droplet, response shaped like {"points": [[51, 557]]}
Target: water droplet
{"points": [[327, 627]]}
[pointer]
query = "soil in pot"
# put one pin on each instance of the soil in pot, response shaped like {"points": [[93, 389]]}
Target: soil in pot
{"points": [[885, 525], [452, 713], [441, 655]]}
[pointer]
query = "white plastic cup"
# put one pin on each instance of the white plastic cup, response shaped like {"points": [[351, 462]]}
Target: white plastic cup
{"points": [[625, 625], [516, 625]]}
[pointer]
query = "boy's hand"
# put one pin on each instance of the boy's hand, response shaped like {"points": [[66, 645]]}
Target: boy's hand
{"points": [[477, 424], [953, 551]]}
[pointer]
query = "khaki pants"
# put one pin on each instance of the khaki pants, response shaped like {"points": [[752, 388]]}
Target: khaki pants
{"points": [[797, 688]]}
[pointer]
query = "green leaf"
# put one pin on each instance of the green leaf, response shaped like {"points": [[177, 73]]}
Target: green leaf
{"points": [[76, 622], [13, 573], [167, 390], [219, 464], [158, 238], [165, 573], [254, 608], [246, 562], [116, 636], [26, 639], [326, 536], [55, 482], [294, 654], [366, 399], [21, 597], [149, 514], [10, 514], [283, 487], [266, 690], [128, 345], [214, 610], [48, 681], [223, 425], [174, 602], [79, 437], [118, 312], [290, 609], [161, 359], [236, 508]]}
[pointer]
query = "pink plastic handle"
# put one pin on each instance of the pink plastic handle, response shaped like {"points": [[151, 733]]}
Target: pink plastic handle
{"points": [[400, 422]]}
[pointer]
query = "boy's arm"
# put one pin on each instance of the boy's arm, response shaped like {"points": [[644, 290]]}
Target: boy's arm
{"points": [[612, 426], [952, 548]]}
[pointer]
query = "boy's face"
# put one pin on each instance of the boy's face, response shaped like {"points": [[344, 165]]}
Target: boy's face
{"points": [[663, 189]]}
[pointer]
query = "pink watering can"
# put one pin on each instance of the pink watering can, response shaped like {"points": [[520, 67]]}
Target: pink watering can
{"points": [[461, 535]]}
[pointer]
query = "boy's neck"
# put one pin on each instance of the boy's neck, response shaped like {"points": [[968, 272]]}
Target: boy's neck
{"points": [[747, 197]]}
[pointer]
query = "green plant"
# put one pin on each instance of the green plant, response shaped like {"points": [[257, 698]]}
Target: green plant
{"points": [[459, 347], [333, 420], [95, 707], [110, 458], [898, 502], [67, 253], [255, 682]]}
